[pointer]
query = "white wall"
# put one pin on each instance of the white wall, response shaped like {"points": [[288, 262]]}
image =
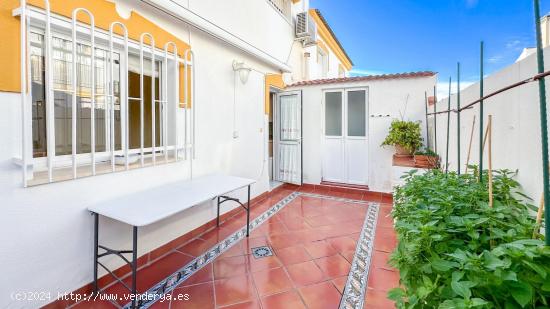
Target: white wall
{"points": [[315, 69], [516, 125], [256, 23], [46, 232], [386, 97]]}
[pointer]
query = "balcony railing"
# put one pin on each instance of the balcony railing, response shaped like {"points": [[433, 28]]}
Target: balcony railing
{"points": [[282, 6]]}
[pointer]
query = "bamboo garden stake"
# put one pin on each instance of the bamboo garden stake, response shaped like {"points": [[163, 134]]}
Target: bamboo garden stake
{"points": [[485, 139], [539, 217], [470, 146]]}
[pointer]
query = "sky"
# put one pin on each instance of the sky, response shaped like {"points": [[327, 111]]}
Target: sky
{"points": [[396, 36]]}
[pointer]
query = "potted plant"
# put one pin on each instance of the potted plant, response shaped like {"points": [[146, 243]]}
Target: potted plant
{"points": [[426, 158], [404, 136]]}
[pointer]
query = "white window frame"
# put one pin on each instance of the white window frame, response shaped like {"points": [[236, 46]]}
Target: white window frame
{"points": [[322, 59]]}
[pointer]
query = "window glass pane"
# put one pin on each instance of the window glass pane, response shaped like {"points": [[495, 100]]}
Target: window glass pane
{"points": [[134, 110], [38, 100], [356, 113], [62, 80], [333, 113]]}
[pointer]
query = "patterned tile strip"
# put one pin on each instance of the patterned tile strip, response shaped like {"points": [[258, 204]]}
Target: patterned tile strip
{"points": [[356, 286], [167, 285]]}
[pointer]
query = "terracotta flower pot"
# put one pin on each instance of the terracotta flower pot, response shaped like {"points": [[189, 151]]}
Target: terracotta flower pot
{"points": [[402, 151], [423, 161]]}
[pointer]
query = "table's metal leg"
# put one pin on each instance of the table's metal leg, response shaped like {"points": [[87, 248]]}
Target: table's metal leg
{"points": [[96, 244], [248, 214], [218, 217], [134, 267]]}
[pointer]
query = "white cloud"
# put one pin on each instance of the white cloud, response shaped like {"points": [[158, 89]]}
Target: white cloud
{"points": [[514, 44], [495, 59]]}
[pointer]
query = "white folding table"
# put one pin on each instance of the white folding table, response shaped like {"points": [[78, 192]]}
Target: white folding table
{"points": [[157, 203]]}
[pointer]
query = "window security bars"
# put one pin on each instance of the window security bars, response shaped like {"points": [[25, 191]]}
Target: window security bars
{"points": [[94, 84]]}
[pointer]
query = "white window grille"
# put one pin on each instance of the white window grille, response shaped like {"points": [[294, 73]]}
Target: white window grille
{"points": [[98, 101]]}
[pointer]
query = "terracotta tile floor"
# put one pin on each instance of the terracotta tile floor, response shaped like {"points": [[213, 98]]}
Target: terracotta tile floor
{"points": [[313, 242]]}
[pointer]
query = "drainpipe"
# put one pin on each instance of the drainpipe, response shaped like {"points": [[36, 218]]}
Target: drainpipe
{"points": [[543, 122], [458, 118], [481, 112]]}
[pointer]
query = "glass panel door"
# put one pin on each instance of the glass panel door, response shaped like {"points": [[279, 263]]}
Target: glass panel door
{"points": [[333, 152], [333, 114], [357, 117], [356, 144], [345, 147]]}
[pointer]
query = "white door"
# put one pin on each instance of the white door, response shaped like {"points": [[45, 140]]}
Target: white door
{"points": [[345, 153], [288, 137]]}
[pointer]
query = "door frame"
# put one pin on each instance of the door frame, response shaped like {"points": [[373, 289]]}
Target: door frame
{"points": [[344, 91], [276, 139]]}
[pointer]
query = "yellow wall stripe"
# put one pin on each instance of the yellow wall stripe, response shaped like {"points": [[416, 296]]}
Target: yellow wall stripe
{"points": [[272, 80], [104, 14]]}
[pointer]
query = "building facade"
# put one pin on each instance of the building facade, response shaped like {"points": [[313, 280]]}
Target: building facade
{"points": [[105, 98]]}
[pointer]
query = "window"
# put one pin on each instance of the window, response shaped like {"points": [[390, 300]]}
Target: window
{"points": [[134, 111], [341, 71], [322, 60], [106, 129], [62, 91]]}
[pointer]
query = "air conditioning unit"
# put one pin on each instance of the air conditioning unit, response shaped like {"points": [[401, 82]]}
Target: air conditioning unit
{"points": [[306, 31]]}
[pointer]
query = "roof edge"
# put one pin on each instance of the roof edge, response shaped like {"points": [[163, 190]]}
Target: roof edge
{"points": [[406, 75], [326, 24]]}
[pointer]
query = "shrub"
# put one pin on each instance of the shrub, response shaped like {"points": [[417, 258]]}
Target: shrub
{"points": [[455, 251], [425, 152], [405, 134]]}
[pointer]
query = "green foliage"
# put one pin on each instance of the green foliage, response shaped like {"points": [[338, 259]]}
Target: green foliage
{"points": [[425, 152], [406, 134], [455, 251]]}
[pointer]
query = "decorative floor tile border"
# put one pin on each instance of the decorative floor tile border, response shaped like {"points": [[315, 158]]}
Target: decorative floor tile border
{"points": [[167, 285], [171, 282], [356, 286], [334, 198]]}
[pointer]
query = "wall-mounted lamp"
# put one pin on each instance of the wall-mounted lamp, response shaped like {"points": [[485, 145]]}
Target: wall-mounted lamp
{"points": [[243, 70]]}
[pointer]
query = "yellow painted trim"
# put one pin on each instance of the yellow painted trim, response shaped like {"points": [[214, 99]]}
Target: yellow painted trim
{"points": [[322, 46], [104, 14], [330, 40], [272, 80], [10, 57], [295, 1]]}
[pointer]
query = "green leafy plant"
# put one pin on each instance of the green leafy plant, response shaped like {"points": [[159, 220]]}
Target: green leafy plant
{"points": [[425, 152], [455, 251], [406, 134]]}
